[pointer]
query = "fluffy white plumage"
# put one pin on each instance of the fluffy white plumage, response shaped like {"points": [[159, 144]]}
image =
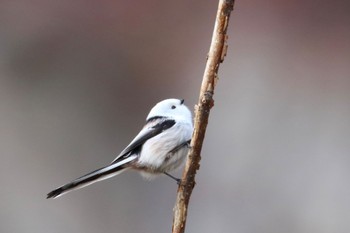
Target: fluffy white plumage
{"points": [[160, 147]]}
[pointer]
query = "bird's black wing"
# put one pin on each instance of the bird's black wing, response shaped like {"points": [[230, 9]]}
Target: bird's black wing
{"points": [[152, 128]]}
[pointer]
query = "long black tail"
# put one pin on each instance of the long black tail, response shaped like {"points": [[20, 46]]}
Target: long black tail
{"points": [[92, 177]]}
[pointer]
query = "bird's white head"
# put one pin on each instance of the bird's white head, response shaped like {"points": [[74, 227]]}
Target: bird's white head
{"points": [[172, 108]]}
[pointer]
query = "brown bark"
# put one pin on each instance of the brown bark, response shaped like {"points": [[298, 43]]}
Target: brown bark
{"points": [[216, 56]]}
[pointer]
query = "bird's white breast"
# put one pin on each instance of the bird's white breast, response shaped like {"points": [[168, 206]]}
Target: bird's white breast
{"points": [[155, 152]]}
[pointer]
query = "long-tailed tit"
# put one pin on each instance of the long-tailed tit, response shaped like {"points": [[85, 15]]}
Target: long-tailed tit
{"points": [[160, 147]]}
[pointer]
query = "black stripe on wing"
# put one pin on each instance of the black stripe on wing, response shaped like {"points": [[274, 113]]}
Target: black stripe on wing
{"points": [[159, 125]]}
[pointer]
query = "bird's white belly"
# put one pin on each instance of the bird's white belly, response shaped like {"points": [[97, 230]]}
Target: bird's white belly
{"points": [[156, 155]]}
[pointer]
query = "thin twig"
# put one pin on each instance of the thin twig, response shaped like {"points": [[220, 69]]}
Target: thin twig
{"points": [[216, 55]]}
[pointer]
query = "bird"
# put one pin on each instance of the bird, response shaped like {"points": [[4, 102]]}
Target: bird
{"points": [[159, 148]]}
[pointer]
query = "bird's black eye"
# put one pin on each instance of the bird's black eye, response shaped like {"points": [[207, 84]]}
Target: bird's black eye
{"points": [[173, 107]]}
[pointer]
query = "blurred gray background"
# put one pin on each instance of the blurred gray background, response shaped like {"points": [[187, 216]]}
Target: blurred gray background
{"points": [[77, 79]]}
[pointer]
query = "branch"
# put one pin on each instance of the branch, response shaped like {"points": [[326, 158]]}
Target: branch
{"points": [[216, 56]]}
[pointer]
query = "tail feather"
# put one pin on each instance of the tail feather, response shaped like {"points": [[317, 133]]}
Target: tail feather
{"points": [[92, 177]]}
